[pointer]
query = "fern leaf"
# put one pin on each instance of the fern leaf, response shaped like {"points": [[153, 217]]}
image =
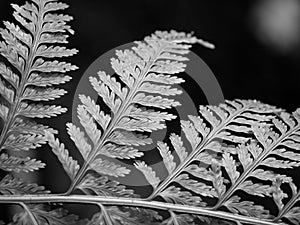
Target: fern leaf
{"points": [[9, 75], [3, 111], [164, 79], [183, 219], [139, 125], [160, 89], [55, 51], [149, 174], [15, 186], [27, 126], [102, 186], [245, 156], [114, 215], [39, 111], [247, 208], [17, 164], [53, 66], [222, 146], [230, 167], [6, 93], [69, 164], [174, 195], [278, 194], [256, 188], [144, 114], [191, 133], [90, 106], [23, 142], [106, 167], [195, 186], [128, 94], [121, 152], [155, 101], [178, 146], [167, 156], [43, 215], [144, 215], [27, 73], [43, 80], [34, 94], [89, 124], [129, 138], [218, 180], [79, 139]]}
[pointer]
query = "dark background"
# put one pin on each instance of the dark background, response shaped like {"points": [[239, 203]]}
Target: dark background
{"points": [[247, 62], [245, 66]]}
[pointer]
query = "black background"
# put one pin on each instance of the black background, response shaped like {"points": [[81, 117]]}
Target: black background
{"points": [[244, 67]]}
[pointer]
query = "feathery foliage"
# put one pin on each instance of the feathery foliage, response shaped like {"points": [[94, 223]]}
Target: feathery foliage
{"points": [[27, 75], [241, 148], [232, 164], [133, 96]]}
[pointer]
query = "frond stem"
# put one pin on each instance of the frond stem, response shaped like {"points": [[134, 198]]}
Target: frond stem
{"points": [[135, 203], [31, 216]]}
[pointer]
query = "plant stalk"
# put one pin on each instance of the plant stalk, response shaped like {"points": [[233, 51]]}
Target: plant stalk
{"points": [[15, 199]]}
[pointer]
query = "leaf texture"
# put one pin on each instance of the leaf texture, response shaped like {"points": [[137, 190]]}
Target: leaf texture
{"points": [[15, 186], [43, 215], [233, 148], [27, 74], [69, 164], [142, 83], [17, 164]]}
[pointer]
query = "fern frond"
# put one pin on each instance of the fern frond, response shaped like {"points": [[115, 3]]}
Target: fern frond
{"points": [[120, 152], [106, 167], [181, 219], [204, 131], [44, 80], [173, 194], [39, 110], [149, 174], [27, 74], [42, 214], [48, 94], [129, 138], [235, 205], [114, 215], [17, 164], [232, 141], [15, 186], [167, 156], [271, 140], [23, 142], [25, 126], [69, 164], [128, 94], [79, 139], [103, 187]]}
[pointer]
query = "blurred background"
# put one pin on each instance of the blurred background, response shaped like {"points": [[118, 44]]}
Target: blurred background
{"points": [[257, 53]]}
